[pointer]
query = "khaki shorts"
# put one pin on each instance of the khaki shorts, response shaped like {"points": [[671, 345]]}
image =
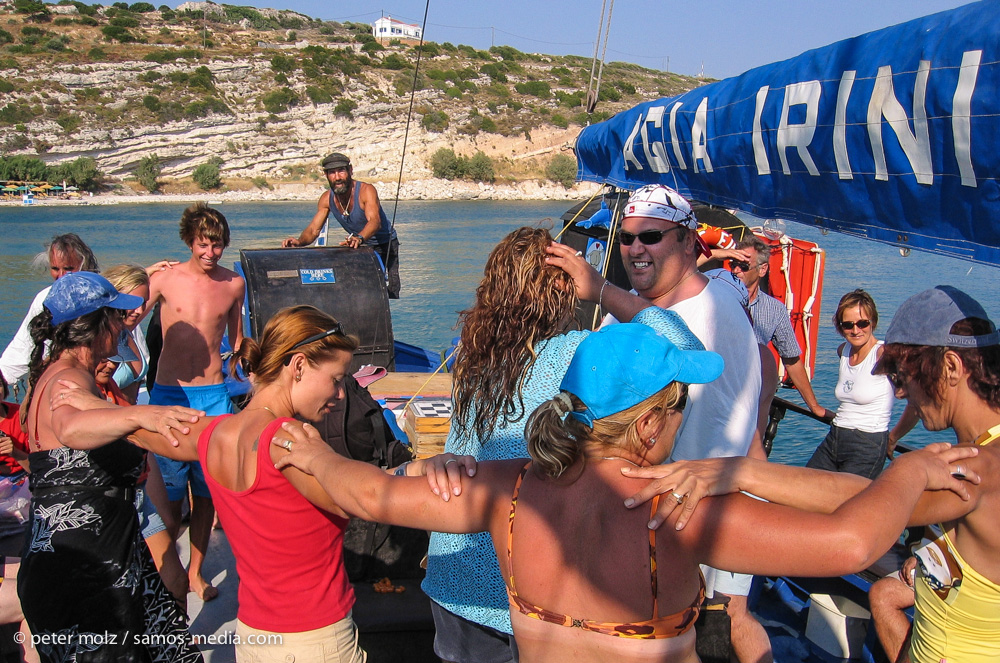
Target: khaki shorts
{"points": [[336, 643]]}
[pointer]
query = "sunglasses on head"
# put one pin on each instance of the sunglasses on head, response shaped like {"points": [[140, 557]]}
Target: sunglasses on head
{"points": [[337, 329], [848, 325], [646, 237]]}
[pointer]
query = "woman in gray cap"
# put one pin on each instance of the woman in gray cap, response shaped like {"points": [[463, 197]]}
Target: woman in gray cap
{"points": [[942, 353]]}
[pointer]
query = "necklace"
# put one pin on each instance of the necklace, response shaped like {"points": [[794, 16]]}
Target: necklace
{"points": [[620, 458], [345, 210], [676, 285]]}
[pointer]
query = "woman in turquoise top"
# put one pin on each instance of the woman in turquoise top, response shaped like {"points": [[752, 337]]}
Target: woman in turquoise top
{"points": [[516, 345]]}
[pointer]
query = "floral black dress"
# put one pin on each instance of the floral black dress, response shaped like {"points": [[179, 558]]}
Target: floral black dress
{"points": [[88, 586]]}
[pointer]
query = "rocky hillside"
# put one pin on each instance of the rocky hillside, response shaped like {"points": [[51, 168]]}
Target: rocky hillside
{"points": [[268, 92]]}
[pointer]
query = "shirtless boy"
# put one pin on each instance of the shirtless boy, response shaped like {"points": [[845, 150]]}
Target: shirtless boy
{"points": [[199, 301]]}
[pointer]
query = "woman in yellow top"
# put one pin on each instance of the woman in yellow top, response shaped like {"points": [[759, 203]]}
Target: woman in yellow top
{"points": [[585, 578], [942, 354]]}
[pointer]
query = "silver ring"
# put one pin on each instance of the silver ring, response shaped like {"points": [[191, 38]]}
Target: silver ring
{"points": [[287, 445], [958, 472], [579, 253], [680, 498], [450, 460]]}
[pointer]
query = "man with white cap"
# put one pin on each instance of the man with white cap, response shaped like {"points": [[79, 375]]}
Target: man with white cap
{"points": [[660, 246]]}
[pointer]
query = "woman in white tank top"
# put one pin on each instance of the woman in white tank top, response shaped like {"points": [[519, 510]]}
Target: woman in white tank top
{"points": [[859, 435]]}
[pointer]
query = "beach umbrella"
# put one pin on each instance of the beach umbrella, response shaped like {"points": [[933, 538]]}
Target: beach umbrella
{"points": [[38, 189], [71, 188], [55, 187], [24, 187], [9, 189]]}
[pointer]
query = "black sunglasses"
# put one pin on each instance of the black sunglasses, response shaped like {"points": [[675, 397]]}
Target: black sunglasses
{"points": [[848, 325], [896, 379], [742, 265], [647, 237], [338, 329]]}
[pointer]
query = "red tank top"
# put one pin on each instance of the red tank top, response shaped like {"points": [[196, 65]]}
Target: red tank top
{"points": [[289, 553]]}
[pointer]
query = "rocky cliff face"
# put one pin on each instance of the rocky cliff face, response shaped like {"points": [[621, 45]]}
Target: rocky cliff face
{"points": [[61, 105]]}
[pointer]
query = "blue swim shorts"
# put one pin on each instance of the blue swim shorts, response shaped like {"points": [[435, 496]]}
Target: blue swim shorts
{"points": [[213, 399]]}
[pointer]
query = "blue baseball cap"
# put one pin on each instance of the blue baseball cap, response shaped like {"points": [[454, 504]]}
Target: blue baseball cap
{"points": [[624, 364], [81, 293], [926, 318]]}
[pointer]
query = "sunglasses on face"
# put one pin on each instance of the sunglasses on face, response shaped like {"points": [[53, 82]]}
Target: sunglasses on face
{"points": [[646, 237], [848, 325], [896, 379], [741, 265]]}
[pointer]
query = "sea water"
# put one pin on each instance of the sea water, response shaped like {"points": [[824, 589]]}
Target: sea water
{"points": [[443, 247]]}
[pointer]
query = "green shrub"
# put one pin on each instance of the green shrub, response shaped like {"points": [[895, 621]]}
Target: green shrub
{"points": [[446, 165], [345, 108], [427, 50], [89, 21], [436, 121], [207, 175], [318, 95], [5, 37], [97, 54], [394, 62], [260, 182], [141, 8], [625, 87], [560, 121], [117, 33], [609, 93], [6, 86], [202, 78], [69, 123], [538, 89], [493, 71], [15, 112], [562, 169], [167, 14], [124, 21], [488, 125], [148, 171], [55, 45], [151, 102], [372, 47], [170, 55], [570, 99], [480, 168], [278, 101], [507, 53], [283, 63]]}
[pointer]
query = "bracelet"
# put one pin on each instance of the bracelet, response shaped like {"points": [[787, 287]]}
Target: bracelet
{"points": [[401, 470], [600, 298]]}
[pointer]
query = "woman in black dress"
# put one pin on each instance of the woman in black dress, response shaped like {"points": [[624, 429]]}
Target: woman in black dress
{"points": [[87, 584]]}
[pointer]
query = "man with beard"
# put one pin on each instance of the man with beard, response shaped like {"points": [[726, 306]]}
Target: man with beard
{"points": [[356, 207]]}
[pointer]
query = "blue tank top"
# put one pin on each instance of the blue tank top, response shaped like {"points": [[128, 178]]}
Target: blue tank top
{"points": [[356, 220]]}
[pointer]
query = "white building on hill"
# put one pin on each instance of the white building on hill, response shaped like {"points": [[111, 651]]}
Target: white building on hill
{"points": [[386, 29]]}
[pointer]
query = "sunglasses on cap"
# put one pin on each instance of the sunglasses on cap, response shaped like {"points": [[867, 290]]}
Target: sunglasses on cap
{"points": [[848, 325], [646, 237]]}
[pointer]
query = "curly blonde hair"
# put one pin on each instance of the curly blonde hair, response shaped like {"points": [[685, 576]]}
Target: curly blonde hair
{"points": [[520, 302]]}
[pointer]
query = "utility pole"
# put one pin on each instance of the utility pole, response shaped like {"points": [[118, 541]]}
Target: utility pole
{"points": [[493, 35]]}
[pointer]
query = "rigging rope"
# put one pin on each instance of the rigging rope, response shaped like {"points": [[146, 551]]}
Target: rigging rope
{"points": [[409, 113]]}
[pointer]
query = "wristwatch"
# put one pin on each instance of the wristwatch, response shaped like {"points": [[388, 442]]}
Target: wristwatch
{"points": [[359, 236]]}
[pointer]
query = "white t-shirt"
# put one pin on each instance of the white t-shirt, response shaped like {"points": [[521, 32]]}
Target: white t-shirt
{"points": [[17, 355], [721, 416]]}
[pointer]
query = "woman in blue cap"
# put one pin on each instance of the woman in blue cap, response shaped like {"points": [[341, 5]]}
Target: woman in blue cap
{"points": [[585, 579], [942, 353], [87, 584]]}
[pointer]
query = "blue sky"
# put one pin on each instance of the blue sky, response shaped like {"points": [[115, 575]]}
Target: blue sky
{"points": [[727, 37]]}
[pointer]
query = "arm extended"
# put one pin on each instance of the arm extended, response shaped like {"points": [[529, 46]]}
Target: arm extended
{"points": [[365, 491], [741, 534]]}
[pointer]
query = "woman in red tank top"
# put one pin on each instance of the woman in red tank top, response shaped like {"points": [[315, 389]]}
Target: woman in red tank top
{"points": [[284, 530]]}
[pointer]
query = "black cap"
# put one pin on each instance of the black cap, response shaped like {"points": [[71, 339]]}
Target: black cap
{"points": [[336, 160]]}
